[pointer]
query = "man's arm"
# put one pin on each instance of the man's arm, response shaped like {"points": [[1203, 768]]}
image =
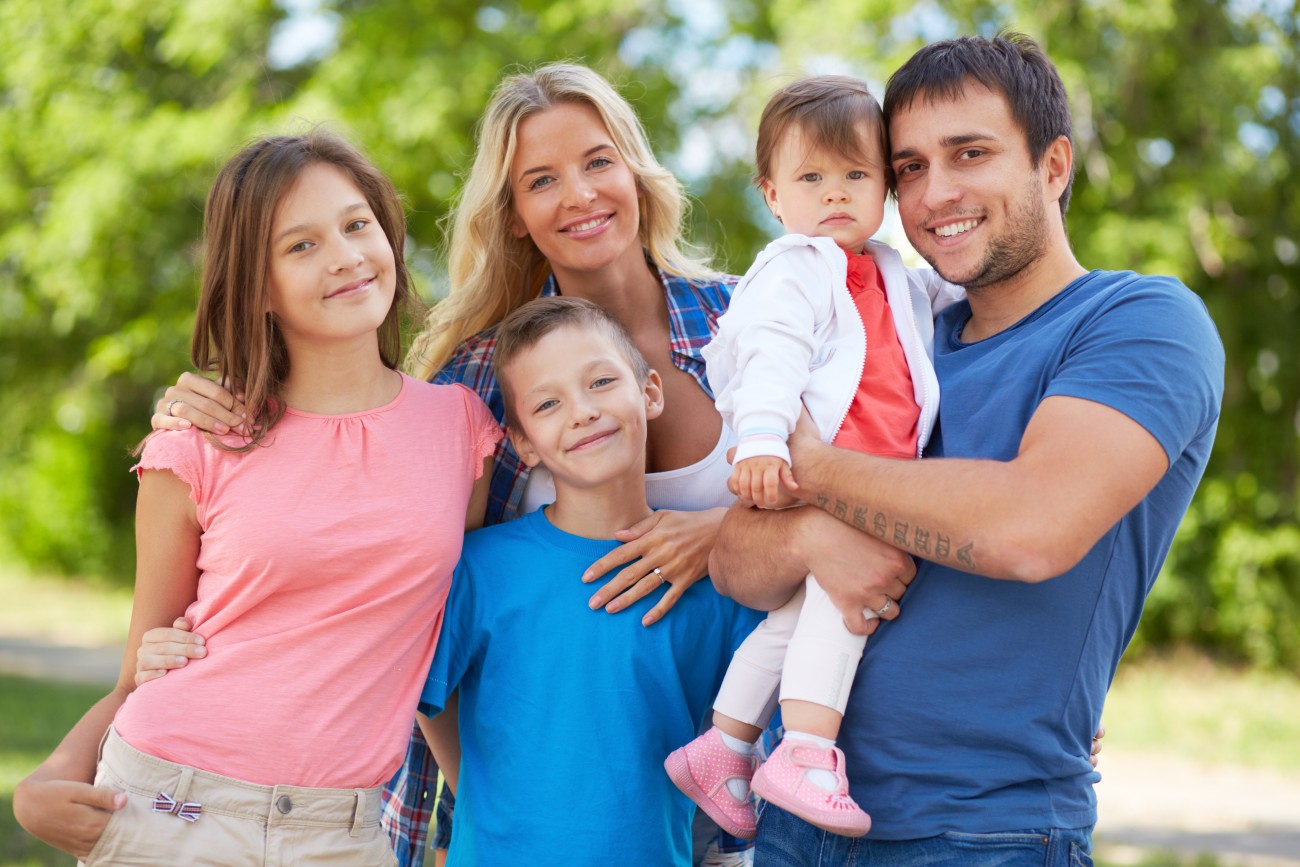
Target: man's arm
{"points": [[1080, 468], [761, 557]]}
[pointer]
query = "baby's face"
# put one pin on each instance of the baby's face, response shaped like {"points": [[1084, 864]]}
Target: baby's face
{"points": [[820, 193]]}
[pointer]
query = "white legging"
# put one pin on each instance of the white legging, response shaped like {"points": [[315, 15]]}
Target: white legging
{"points": [[804, 648]]}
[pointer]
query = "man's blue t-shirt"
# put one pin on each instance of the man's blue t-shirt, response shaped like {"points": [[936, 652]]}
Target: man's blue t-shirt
{"points": [[974, 710], [567, 714]]}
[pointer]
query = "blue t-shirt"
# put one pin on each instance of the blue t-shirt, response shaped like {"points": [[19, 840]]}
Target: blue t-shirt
{"points": [[567, 714], [974, 710]]}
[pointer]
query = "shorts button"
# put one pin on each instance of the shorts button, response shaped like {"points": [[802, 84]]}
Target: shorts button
{"points": [[283, 804]]}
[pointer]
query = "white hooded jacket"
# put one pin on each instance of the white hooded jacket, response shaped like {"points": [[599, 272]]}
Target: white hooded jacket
{"points": [[786, 338]]}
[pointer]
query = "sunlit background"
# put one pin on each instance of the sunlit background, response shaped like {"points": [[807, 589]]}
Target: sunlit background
{"points": [[115, 114]]}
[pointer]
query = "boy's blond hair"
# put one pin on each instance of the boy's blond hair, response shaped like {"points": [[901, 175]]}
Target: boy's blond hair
{"points": [[525, 327]]}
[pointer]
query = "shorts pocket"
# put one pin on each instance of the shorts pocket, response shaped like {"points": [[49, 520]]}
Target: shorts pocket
{"points": [[104, 845], [1079, 856]]}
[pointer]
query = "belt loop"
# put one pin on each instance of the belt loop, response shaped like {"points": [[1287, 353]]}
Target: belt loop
{"points": [[358, 812], [183, 784], [108, 733]]}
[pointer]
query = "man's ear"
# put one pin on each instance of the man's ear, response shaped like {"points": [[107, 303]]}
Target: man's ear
{"points": [[523, 446], [654, 395], [1057, 163]]}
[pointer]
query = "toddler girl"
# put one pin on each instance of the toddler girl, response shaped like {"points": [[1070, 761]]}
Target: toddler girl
{"points": [[828, 319]]}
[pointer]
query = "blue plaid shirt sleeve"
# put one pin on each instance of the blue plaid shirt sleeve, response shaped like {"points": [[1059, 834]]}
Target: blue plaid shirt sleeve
{"points": [[693, 310]]}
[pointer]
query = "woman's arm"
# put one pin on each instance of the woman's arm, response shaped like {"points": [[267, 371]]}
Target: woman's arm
{"points": [[57, 802], [678, 544], [442, 733]]}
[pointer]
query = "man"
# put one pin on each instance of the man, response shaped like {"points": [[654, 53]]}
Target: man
{"points": [[1077, 414]]}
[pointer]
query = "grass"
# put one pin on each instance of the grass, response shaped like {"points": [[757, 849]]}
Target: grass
{"points": [[63, 611], [33, 718], [1188, 705]]}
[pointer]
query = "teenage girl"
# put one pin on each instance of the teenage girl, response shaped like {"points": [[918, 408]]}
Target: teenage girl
{"points": [[322, 538]]}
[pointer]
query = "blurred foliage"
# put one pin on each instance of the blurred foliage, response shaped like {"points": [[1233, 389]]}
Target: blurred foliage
{"points": [[115, 114]]}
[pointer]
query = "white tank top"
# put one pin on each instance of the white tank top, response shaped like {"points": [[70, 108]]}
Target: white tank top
{"points": [[702, 485]]}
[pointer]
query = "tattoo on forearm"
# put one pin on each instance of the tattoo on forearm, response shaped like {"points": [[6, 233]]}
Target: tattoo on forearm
{"points": [[919, 540]]}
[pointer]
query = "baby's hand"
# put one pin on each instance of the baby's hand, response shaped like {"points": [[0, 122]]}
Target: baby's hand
{"points": [[758, 482], [163, 649]]}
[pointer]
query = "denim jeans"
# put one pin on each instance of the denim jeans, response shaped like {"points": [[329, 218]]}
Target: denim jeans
{"points": [[787, 841]]}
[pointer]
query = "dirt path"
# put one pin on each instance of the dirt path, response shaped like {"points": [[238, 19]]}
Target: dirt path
{"points": [[1240, 815]]}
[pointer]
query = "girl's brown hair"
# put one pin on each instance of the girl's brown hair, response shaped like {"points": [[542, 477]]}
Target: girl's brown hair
{"points": [[234, 334]]}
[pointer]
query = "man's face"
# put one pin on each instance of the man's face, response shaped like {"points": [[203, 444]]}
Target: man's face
{"points": [[970, 201]]}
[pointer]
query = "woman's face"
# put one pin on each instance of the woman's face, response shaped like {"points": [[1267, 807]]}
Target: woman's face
{"points": [[573, 193]]}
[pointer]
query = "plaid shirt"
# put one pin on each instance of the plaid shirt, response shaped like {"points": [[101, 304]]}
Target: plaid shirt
{"points": [[693, 311]]}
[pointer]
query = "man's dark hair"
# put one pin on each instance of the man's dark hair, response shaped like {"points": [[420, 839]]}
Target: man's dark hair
{"points": [[1010, 64]]}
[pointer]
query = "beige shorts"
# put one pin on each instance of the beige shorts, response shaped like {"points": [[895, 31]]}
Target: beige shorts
{"points": [[234, 823]]}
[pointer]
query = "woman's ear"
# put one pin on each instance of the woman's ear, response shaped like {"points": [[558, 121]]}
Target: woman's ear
{"points": [[517, 227]]}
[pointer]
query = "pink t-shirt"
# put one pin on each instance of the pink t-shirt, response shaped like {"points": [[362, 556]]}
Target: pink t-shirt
{"points": [[325, 561]]}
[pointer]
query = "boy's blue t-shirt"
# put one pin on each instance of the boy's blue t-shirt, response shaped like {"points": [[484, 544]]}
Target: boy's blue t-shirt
{"points": [[567, 714], [974, 710]]}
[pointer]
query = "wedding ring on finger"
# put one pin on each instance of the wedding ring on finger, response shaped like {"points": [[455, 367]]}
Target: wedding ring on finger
{"points": [[168, 409], [660, 575], [884, 609]]}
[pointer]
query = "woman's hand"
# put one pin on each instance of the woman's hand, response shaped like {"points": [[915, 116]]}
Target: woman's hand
{"points": [[163, 649], [197, 401], [68, 815], [667, 547], [1096, 745]]}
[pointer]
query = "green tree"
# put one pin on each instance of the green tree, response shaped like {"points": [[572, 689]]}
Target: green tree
{"points": [[115, 114]]}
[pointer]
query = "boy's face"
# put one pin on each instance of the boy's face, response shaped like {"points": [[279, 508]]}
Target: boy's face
{"points": [[582, 413], [820, 193]]}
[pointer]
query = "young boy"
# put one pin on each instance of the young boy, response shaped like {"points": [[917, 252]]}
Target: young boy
{"points": [[564, 715]]}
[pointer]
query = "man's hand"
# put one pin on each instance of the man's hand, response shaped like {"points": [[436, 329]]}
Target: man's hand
{"points": [[859, 572]]}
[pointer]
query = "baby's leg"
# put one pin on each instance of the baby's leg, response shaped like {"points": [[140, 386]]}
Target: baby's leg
{"points": [[714, 770], [819, 667], [747, 698], [805, 774]]}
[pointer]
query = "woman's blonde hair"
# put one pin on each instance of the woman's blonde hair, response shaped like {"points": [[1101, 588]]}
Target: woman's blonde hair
{"points": [[491, 271]]}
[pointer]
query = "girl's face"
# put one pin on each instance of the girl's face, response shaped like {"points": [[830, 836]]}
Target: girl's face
{"points": [[818, 193], [573, 193], [332, 272]]}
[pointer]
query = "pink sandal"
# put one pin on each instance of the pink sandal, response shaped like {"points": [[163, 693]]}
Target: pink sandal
{"points": [[782, 780], [701, 770]]}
